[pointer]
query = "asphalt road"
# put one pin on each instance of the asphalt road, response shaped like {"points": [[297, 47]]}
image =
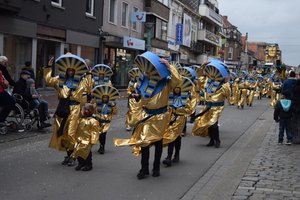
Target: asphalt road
{"points": [[30, 170]]}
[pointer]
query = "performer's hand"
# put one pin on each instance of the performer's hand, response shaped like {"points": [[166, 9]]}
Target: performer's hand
{"points": [[205, 63], [226, 79], [113, 104], [50, 62], [164, 61]]}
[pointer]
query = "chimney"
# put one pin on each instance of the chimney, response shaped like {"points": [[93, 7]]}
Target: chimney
{"points": [[226, 17]]}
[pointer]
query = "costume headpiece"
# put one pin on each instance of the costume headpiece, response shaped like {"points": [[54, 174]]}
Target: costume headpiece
{"points": [[134, 72], [187, 72], [196, 68], [243, 73], [148, 62], [252, 74], [175, 64], [260, 76], [70, 61], [186, 86], [217, 70], [233, 75], [101, 90], [101, 69]]}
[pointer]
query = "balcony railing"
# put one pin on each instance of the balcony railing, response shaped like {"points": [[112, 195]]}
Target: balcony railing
{"points": [[205, 11], [204, 35]]}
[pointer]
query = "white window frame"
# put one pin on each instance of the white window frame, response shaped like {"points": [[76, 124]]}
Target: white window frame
{"points": [[135, 9], [115, 12], [92, 8], [126, 14], [59, 4], [230, 53]]}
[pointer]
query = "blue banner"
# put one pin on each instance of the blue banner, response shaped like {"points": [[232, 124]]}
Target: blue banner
{"points": [[179, 28], [138, 16]]}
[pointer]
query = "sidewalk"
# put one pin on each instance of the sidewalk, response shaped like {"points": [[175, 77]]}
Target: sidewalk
{"points": [[253, 168]]}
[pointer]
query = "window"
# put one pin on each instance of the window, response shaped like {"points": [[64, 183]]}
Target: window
{"points": [[112, 11], [89, 10], [161, 29], [230, 52], [56, 2], [165, 2], [134, 24], [124, 14]]}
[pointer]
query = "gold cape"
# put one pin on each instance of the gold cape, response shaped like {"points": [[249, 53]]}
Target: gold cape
{"points": [[203, 122], [251, 92], [87, 134], [259, 89], [242, 92], [152, 129], [174, 130], [67, 140], [105, 126], [134, 113], [232, 99], [275, 96]]}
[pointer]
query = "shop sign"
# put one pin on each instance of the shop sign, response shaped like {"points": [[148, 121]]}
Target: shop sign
{"points": [[179, 28], [160, 52], [138, 17], [133, 43]]}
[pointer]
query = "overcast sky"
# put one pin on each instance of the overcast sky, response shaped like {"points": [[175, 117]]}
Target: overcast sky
{"points": [[270, 21]]}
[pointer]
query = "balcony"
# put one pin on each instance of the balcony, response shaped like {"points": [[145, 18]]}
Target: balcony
{"points": [[196, 46], [210, 15], [209, 37]]}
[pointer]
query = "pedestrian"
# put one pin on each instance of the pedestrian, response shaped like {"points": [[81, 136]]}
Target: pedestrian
{"points": [[283, 114], [72, 90], [289, 83], [3, 68], [296, 116], [6, 101], [217, 89], [104, 97], [21, 87], [150, 130], [86, 136], [182, 103], [134, 113]]}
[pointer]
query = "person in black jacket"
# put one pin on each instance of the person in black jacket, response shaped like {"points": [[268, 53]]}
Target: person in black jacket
{"points": [[20, 88], [283, 114], [3, 68]]}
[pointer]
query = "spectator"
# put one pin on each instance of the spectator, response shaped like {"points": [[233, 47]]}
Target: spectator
{"points": [[3, 68], [30, 69], [289, 83], [296, 116]]}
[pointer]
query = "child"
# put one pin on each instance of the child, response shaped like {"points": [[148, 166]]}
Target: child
{"points": [[87, 134], [283, 114]]}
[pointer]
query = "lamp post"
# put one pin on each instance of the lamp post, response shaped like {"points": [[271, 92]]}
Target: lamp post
{"points": [[149, 26], [238, 67]]}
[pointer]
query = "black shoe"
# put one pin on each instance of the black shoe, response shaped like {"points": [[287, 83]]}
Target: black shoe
{"points": [[142, 174], [66, 160], [72, 162], [211, 143], [101, 149], [192, 121], [79, 166], [250, 104], [87, 168], [167, 161], [217, 144], [155, 173], [175, 159], [44, 125]]}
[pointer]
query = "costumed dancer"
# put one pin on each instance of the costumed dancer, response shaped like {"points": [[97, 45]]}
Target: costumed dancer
{"points": [[233, 88], [259, 91], [182, 103], [134, 113], [87, 135], [106, 107], [216, 90], [252, 83], [242, 89], [159, 79], [101, 76], [71, 84], [275, 88]]}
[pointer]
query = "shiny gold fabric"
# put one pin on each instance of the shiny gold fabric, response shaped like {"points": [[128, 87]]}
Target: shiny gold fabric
{"points": [[242, 92], [174, 130], [134, 113], [232, 99], [87, 134], [152, 129], [203, 122], [251, 92], [67, 140], [105, 126], [259, 89], [275, 93]]}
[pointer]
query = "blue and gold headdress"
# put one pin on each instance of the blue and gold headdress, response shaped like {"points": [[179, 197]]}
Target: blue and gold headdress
{"points": [[186, 86], [149, 63], [196, 68], [133, 73], [74, 62], [101, 69], [216, 70], [187, 72], [175, 64], [101, 90]]}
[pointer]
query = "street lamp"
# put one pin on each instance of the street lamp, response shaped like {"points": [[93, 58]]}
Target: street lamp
{"points": [[149, 26], [239, 60]]}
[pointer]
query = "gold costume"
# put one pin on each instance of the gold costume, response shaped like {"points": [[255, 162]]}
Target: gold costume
{"points": [[275, 92], [233, 89], [259, 91], [67, 140], [216, 103], [156, 118], [242, 86], [251, 91], [178, 117], [105, 119], [87, 134], [134, 113]]}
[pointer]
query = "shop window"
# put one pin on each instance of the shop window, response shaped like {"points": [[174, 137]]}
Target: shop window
{"points": [[161, 29], [89, 8], [124, 14], [112, 11], [134, 24]]}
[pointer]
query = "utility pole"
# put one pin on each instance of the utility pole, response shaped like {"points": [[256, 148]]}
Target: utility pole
{"points": [[149, 26]]}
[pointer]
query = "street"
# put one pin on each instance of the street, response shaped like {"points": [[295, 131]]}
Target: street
{"points": [[31, 170]]}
